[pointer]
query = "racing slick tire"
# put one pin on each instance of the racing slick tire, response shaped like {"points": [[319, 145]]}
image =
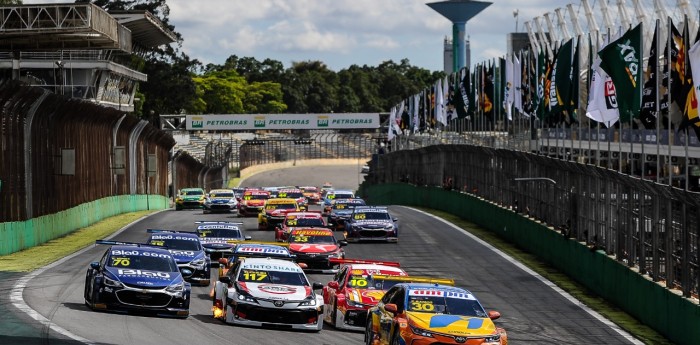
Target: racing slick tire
{"points": [[334, 314], [89, 295], [369, 334], [395, 338]]}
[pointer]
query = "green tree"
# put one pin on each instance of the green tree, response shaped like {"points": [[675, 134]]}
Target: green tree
{"points": [[310, 87]]}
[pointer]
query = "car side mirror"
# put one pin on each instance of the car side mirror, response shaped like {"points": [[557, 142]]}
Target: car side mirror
{"points": [[391, 307], [225, 280], [303, 265], [395, 219], [317, 286], [248, 238], [95, 265], [493, 315], [342, 243], [333, 284], [223, 261]]}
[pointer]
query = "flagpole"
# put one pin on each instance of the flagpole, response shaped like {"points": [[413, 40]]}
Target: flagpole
{"points": [[686, 64], [658, 99], [670, 68]]}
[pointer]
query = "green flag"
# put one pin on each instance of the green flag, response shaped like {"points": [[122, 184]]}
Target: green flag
{"points": [[622, 61], [560, 88]]}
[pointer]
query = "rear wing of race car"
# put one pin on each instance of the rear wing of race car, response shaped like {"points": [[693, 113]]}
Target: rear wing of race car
{"points": [[415, 279], [121, 243], [269, 243], [156, 231], [217, 222], [363, 261]]}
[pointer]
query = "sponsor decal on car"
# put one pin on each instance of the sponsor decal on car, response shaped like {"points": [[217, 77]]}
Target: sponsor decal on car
{"points": [[277, 289]]}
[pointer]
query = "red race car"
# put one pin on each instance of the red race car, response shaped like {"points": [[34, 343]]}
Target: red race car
{"points": [[297, 220], [353, 290], [315, 247], [312, 194], [252, 202]]}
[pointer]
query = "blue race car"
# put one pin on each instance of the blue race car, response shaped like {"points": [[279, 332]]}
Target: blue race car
{"points": [[136, 277], [341, 211], [370, 223], [219, 238], [330, 198], [188, 252]]}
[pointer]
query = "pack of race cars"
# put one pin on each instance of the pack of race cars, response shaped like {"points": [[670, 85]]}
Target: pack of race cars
{"points": [[265, 283]]}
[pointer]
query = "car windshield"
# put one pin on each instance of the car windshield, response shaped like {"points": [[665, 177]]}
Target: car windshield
{"points": [[194, 192], [220, 233], [293, 195], [305, 222], [272, 277], [443, 305], [340, 196], [256, 197], [371, 215], [221, 195], [345, 206], [316, 239], [367, 282], [157, 262], [179, 244], [280, 207]]}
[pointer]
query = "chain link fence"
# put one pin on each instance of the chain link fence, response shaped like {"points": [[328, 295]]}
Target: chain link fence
{"points": [[643, 224]]}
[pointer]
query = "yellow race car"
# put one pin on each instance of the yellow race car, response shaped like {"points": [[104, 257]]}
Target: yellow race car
{"points": [[423, 314]]}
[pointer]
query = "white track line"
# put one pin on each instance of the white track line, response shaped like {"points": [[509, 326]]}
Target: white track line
{"points": [[17, 299], [544, 280]]}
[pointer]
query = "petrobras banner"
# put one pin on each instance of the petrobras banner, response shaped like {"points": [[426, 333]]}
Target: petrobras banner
{"points": [[247, 122]]}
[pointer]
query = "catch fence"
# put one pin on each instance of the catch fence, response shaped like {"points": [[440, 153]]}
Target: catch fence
{"points": [[646, 225]]}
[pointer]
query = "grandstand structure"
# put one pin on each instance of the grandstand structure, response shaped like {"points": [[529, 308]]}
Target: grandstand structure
{"points": [[79, 50]]}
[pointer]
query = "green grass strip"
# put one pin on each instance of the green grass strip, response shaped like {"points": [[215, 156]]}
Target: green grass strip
{"points": [[581, 293], [30, 259]]}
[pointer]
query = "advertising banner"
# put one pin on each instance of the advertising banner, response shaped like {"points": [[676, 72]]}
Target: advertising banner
{"points": [[247, 122]]}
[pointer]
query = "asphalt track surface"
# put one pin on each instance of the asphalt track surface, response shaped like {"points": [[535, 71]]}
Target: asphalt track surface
{"points": [[532, 310]]}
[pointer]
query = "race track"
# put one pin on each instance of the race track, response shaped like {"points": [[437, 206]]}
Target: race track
{"points": [[532, 311]]}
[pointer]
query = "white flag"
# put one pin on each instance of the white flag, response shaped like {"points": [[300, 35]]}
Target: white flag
{"points": [[416, 113], [445, 99], [390, 125], [439, 113], [602, 98], [694, 56], [517, 84], [508, 88]]}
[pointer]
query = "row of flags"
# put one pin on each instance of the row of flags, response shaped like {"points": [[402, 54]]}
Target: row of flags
{"points": [[528, 84]]}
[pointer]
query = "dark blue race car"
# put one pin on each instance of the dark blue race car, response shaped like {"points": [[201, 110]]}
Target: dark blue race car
{"points": [[193, 261], [370, 223], [219, 238], [134, 277]]}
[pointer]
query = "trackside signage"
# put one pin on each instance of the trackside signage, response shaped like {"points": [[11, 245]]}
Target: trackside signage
{"points": [[282, 121]]}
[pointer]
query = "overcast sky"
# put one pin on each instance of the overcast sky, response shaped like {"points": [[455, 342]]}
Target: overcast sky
{"points": [[341, 33]]}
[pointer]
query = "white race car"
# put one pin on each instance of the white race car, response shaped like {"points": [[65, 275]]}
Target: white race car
{"points": [[268, 292]]}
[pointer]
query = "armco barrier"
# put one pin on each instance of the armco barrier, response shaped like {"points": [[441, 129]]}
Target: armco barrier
{"points": [[16, 236], [658, 307]]}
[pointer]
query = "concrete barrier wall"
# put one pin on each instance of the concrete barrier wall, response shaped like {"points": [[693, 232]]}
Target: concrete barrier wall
{"points": [[16, 236], [664, 310], [250, 171]]}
